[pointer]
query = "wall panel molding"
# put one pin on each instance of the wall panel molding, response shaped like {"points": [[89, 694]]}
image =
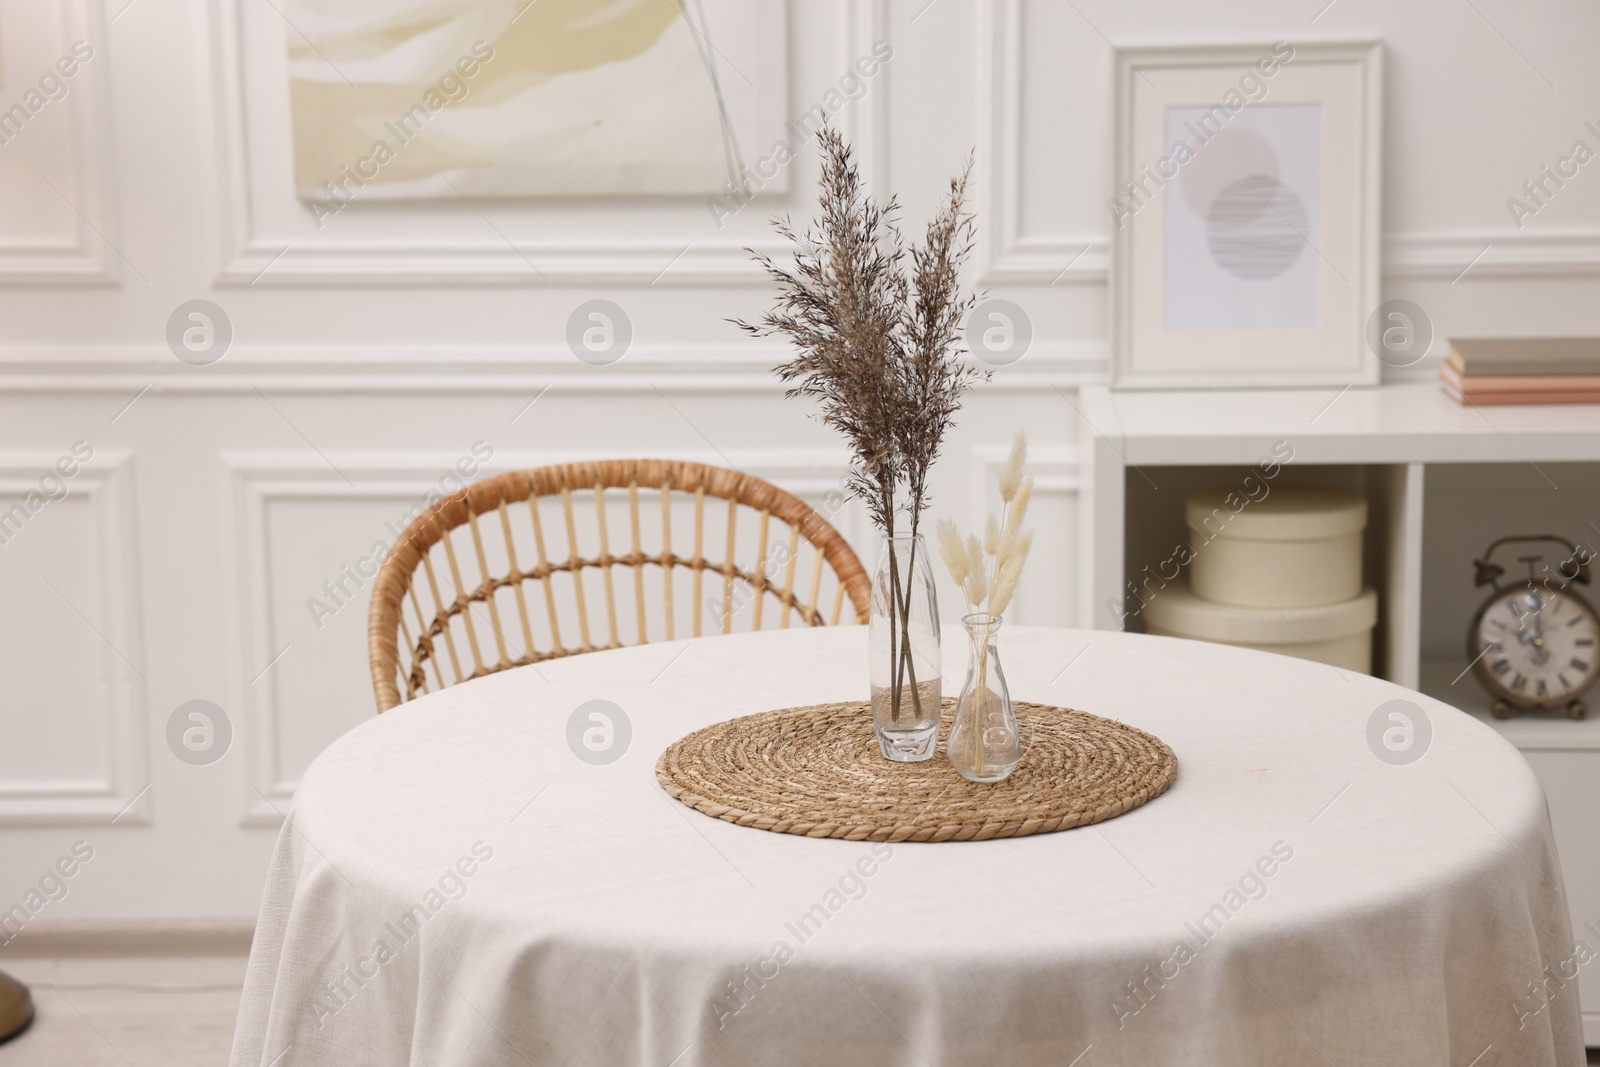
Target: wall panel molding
{"points": [[1492, 254], [89, 258], [731, 366], [1037, 260], [693, 254], [1010, 255], [112, 626], [257, 479]]}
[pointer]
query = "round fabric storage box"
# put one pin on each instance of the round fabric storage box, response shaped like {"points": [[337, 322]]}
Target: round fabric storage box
{"points": [[1297, 547], [1340, 634]]}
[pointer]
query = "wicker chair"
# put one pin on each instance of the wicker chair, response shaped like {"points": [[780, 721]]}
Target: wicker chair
{"points": [[433, 546]]}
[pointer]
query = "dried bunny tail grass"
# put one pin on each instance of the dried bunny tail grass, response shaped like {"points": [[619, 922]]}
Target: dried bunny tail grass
{"points": [[1011, 476], [953, 551], [1008, 547], [1017, 509], [977, 580], [977, 587], [991, 536], [1014, 549], [1009, 573], [1005, 585]]}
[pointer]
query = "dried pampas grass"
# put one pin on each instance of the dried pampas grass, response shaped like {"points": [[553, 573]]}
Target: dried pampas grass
{"points": [[988, 571], [876, 326], [877, 331]]}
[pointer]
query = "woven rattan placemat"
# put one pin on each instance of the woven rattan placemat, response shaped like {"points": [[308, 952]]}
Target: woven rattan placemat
{"points": [[816, 771]]}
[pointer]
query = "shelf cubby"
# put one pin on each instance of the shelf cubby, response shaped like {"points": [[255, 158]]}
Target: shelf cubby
{"points": [[1442, 481]]}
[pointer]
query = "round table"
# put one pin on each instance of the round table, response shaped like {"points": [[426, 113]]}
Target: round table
{"points": [[1324, 883]]}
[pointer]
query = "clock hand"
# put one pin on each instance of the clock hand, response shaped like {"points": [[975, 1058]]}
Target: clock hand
{"points": [[1531, 623]]}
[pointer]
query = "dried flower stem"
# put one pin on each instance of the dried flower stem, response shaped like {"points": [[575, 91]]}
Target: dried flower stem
{"points": [[989, 570], [879, 348]]}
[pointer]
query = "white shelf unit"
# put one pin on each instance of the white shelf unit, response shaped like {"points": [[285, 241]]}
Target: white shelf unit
{"points": [[1442, 481]]}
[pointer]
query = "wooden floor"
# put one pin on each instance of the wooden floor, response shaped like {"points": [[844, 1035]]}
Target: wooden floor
{"points": [[148, 1012]]}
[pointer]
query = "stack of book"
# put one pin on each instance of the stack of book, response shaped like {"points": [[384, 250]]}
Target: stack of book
{"points": [[1537, 370]]}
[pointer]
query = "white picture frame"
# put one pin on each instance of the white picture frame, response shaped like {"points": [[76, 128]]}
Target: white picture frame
{"points": [[1255, 264]]}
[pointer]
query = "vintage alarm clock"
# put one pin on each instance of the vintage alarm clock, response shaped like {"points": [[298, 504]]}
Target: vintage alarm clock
{"points": [[1533, 644]]}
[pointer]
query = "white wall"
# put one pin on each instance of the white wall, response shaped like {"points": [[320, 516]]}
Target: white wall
{"points": [[370, 354]]}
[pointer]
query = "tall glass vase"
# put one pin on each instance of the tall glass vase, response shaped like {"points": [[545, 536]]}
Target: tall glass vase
{"points": [[903, 642], [985, 743]]}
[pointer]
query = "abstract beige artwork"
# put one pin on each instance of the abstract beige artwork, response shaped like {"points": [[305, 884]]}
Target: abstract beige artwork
{"points": [[398, 99]]}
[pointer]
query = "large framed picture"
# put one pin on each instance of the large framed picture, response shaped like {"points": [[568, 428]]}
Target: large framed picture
{"points": [[1244, 215], [444, 99]]}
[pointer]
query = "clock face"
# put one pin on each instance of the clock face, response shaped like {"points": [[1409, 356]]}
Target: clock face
{"points": [[1536, 648]]}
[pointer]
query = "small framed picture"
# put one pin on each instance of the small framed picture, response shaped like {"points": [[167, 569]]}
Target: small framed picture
{"points": [[1244, 215]]}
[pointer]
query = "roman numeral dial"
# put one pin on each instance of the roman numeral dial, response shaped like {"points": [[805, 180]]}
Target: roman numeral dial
{"points": [[1535, 647]]}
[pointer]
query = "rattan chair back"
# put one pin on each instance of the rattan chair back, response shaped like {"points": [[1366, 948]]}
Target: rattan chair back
{"points": [[472, 585]]}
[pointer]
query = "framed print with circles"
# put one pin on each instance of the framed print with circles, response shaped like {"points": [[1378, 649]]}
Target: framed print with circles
{"points": [[1244, 215]]}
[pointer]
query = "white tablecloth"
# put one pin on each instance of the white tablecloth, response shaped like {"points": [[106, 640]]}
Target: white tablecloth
{"points": [[454, 886]]}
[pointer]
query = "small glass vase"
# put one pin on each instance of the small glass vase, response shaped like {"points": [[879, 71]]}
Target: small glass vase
{"points": [[903, 644], [985, 742]]}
